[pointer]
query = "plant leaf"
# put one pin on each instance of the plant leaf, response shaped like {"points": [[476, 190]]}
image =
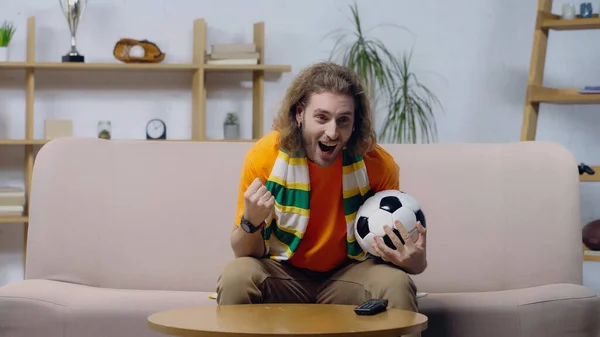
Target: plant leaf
{"points": [[389, 83]]}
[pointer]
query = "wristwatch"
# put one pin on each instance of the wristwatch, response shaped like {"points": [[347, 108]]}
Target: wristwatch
{"points": [[248, 227]]}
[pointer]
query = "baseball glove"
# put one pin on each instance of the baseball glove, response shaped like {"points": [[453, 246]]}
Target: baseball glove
{"points": [[152, 54]]}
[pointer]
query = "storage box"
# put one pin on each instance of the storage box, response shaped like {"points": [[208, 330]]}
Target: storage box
{"points": [[56, 128]]}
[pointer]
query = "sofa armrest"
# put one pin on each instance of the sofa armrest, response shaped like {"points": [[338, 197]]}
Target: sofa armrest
{"points": [[23, 314], [548, 311]]}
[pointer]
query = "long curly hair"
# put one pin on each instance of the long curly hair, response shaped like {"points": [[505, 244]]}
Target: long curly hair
{"points": [[315, 79]]}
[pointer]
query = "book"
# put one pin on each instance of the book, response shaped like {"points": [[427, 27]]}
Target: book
{"points": [[234, 48], [11, 210], [12, 196], [588, 89], [234, 55], [233, 61]]}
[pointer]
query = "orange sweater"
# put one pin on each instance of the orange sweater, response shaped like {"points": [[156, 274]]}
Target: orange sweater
{"points": [[323, 246]]}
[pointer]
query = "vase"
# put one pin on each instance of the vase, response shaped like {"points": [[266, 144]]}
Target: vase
{"points": [[585, 10], [231, 131], [3, 54]]}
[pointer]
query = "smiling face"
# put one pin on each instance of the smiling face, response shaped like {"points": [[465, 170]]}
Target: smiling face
{"points": [[326, 123]]}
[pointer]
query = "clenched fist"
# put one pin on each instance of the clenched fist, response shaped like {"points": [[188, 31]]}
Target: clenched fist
{"points": [[259, 202]]}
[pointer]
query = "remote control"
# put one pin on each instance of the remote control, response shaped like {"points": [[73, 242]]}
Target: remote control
{"points": [[371, 307]]}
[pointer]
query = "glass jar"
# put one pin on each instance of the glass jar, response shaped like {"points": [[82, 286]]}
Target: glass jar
{"points": [[104, 129]]}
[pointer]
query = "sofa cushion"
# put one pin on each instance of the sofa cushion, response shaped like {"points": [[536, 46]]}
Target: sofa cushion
{"points": [[549, 310], [50, 308]]}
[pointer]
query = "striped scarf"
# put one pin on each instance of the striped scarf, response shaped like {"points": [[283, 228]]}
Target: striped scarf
{"points": [[289, 182]]}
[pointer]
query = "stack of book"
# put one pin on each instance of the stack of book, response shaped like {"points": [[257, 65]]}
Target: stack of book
{"points": [[12, 201], [590, 90], [233, 53]]}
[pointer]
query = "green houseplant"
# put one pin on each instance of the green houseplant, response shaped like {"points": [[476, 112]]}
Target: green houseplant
{"points": [[408, 104], [231, 126], [7, 31]]}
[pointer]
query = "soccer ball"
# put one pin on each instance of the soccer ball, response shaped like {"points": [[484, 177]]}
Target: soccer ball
{"points": [[383, 208]]}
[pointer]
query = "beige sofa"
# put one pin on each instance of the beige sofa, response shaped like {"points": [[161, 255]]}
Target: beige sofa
{"points": [[122, 229]]}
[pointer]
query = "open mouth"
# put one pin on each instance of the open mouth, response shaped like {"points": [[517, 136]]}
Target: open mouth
{"points": [[327, 148]]}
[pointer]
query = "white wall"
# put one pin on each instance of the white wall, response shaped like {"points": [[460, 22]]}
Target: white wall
{"points": [[473, 54]]}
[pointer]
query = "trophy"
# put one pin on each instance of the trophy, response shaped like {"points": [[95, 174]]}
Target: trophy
{"points": [[73, 11]]}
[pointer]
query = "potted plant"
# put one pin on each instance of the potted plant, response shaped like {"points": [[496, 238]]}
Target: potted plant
{"points": [[7, 30], [231, 127], [407, 103], [104, 129]]}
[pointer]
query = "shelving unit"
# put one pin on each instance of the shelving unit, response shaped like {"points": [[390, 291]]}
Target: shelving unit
{"points": [[537, 93], [197, 69], [142, 66], [590, 255]]}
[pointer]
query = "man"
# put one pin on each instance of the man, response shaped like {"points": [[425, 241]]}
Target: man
{"points": [[299, 190]]}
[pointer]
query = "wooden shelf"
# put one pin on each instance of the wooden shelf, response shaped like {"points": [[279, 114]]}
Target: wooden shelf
{"points": [[553, 21], [231, 140], [112, 66], [13, 65], [23, 142], [44, 141], [537, 94], [15, 219], [99, 66], [589, 255], [591, 258], [593, 177], [143, 67], [197, 70]]}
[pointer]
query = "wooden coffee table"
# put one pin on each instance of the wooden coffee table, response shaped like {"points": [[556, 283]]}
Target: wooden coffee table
{"points": [[253, 320]]}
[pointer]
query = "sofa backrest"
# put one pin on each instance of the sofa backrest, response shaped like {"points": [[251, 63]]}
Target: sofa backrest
{"points": [[501, 216], [157, 215], [133, 214]]}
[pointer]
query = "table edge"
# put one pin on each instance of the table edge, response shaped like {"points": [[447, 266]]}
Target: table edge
{"points": [[181, 332], [195, 333]]}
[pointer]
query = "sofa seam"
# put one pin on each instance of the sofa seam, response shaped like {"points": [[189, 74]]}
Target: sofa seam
{"points": [[33, 299], [558, 300]]}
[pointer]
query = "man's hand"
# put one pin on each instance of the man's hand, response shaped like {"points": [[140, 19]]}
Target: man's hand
{"points": [[259, 202], [258, 205], [411, 256]]}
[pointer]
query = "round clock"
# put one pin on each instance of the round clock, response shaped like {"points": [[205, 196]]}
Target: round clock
{"points": [[156, 129]]}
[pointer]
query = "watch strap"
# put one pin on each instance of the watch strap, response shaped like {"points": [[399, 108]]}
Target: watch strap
{"points": [[248, 227]]}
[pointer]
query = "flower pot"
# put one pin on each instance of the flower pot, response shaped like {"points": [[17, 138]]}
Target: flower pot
{"points": [[231, 131], [3, 54]]}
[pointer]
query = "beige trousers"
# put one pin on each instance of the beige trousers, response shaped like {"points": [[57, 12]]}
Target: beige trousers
{"points": [[249, 280]]}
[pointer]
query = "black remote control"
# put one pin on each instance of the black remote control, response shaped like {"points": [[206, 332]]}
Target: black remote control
{"points": [[371, 307]]}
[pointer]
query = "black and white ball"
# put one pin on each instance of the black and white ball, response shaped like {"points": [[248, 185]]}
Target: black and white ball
{"points": [[384, 208]]}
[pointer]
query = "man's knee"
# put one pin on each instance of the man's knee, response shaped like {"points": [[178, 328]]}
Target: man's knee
{"points": [[241, 270], [369, 279], [239, 281], [393, 278], [395, 285]]}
